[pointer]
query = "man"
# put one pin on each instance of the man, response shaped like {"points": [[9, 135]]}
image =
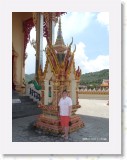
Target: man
{"points": [[65, 105]]}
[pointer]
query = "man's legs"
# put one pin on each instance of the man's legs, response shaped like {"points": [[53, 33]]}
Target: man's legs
{"points": [[65, 126], [63, 131], [62, 125], [66, 132]]}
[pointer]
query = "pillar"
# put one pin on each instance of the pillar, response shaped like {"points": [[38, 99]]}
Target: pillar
{"points": [[73, 91], [46, 83], [53, 32], [39, 43]]}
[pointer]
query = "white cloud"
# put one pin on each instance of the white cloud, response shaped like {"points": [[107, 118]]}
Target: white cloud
{"points": [[33, 34], [86, 65], [101, 62], [80, 56], [74, 23], [44, 54], [103, 18], [30, 61]]}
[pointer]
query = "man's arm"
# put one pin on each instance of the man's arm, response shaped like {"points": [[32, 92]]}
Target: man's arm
{"points": [[59, 108], [70, 110]]}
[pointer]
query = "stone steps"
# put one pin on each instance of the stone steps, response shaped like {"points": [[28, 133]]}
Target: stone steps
{"points": [[25, 103], [24, 111], [26, 108]]}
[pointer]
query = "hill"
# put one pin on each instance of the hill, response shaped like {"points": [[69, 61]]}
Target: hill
{"points": [[29, 77], [94, 78]]}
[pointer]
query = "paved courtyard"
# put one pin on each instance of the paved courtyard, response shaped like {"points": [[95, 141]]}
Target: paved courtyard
{"points": [[94, 113]]}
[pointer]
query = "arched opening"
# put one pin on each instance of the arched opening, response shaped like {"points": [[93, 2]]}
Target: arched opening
{"points": [[30, 61]]}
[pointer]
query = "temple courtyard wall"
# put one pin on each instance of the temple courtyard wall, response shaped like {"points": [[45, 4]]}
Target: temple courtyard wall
{"points": [[94, 113], [94, 96]]}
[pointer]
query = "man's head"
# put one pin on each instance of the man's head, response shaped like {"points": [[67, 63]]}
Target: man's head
{"points": [[64, 93]]}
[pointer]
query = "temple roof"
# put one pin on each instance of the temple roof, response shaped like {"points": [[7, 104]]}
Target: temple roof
{"points": [[59, 46], [61, 58], [105, 83]]}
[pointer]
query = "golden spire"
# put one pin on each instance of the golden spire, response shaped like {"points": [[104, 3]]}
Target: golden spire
{"points": [[59, 39], [59, 45]]}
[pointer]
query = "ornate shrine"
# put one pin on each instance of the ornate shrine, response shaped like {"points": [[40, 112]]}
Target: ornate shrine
{"points": [[59, 74]]}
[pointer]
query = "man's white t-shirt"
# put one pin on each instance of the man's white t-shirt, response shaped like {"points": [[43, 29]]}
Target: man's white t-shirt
{"points": [[64, 104]]}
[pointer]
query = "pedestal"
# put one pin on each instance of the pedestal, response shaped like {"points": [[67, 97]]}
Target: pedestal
{"points": [[49, 121]]}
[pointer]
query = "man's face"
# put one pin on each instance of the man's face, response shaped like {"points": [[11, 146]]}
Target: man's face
{"points": [[64, 94]]}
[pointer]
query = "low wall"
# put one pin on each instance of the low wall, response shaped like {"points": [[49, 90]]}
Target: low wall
{"points": [[94, 96]]}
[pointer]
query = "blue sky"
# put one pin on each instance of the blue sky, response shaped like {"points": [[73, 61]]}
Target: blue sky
{"points": [[90, 32]]}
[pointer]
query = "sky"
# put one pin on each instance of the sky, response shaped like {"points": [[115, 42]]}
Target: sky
{"points": [[90, 32]]}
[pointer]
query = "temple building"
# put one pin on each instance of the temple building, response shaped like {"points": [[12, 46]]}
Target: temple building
{"points": [[105, 84], [22, 23]]}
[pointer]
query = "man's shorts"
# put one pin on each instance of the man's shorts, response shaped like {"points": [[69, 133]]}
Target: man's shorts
{"points": [[64, 121]]}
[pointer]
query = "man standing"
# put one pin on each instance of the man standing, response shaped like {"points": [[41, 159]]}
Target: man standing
{"points": [[65, 105]]}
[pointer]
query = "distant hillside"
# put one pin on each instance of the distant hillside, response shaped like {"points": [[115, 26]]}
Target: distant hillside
{"points": [[29, 77], [94, 78]]}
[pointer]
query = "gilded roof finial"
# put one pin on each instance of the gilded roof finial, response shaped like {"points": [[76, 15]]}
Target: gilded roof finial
{"points": [[59, 39]]}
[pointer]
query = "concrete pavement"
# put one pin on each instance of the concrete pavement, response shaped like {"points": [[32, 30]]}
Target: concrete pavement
{"points": [[95, 114]]}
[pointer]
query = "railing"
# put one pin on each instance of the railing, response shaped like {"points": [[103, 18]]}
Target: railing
{"points": [[33, 93]]}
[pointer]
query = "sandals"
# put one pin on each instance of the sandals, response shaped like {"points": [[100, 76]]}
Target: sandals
{"points": [[66, 137], [63, 136]]}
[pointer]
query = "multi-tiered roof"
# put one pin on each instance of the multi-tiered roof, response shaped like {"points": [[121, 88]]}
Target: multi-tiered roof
{"points": [[60, 56]]}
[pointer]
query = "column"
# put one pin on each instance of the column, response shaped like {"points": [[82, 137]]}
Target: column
{"points": [[73, 91], [39, 43], [51, 28], [53, 32], [46, 92]]}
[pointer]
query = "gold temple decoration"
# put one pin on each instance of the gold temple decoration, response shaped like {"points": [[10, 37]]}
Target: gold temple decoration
{"points": [[35, 18], [59, 74]]}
